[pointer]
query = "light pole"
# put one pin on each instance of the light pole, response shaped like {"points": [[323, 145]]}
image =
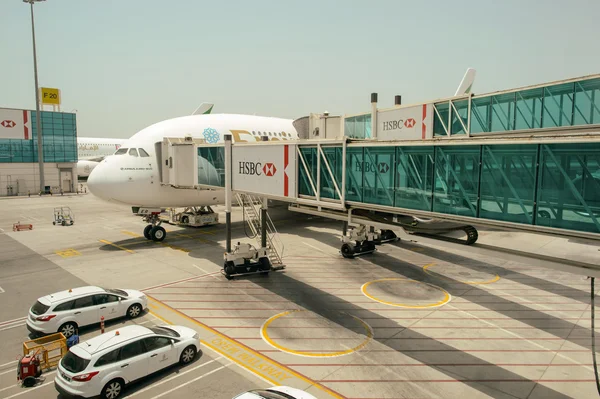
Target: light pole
{"points": [[38, 119]]}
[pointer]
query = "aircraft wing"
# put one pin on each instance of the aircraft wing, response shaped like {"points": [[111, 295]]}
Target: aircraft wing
{"points": [[203, 109]]}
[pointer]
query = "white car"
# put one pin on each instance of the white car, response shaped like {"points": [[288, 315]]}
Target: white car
{"points": [[105, 364], [69, 310], [281, 392]]}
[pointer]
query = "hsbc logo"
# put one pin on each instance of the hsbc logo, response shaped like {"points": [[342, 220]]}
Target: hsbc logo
{"points": [[7, 123], [399, 124], [256, 168], [381, 167], [269, 169]]}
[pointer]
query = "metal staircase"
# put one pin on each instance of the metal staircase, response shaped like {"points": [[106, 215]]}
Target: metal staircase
{"points": [[251, 211]]}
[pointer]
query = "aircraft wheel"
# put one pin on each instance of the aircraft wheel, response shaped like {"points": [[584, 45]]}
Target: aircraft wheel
{"points": [[147, 232], [158, 233]]}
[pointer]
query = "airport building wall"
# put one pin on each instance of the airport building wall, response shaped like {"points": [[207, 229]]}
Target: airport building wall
{"points": [[19, 170]]}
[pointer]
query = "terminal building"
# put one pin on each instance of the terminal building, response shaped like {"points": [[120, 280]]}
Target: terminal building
{"points": [[19, 169]]}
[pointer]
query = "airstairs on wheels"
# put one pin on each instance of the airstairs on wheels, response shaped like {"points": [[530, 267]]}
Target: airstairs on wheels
{"points": [[251, 207]]}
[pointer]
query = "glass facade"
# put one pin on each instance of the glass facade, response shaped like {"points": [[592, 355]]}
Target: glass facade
{"points": [[566, 104], [554, 185], [59, 133], [215, 157], [358, 127]]}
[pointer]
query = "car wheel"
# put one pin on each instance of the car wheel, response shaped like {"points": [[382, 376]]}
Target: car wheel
{"points": [[134, 311], [68, 329], [112, 390], [187, 355]]}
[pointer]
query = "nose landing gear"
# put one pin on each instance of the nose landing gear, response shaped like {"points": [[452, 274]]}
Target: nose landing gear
{"points": [[153, 231]]}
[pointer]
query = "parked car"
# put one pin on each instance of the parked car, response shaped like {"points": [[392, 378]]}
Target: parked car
{"points": [[281, 392], [105, 364], [66, 311]]}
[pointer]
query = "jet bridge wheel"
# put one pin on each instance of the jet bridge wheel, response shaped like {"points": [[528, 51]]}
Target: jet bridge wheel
{"points": [[472, 235], [347, 251], [147, 230], [158, 233]]}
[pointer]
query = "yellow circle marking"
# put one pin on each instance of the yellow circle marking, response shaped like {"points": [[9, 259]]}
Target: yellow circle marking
{"points": [[265, 335], [426, 267], [446, 299]]}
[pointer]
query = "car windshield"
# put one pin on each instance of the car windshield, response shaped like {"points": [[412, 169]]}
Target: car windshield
{"points": [[115, 291], [74, 363], [39, 308], [164, 331]]}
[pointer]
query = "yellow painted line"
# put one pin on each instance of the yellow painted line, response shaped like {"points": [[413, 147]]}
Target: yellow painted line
{"points": [[416, 249], [67, 253], [265, 335], [130, 233], [402, 305], [117, 246], [164, 244], [248, 358], [426, 270]]}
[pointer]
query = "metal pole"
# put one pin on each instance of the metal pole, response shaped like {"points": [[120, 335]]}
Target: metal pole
{"points": [[228, 193], [374, 115], [263, 217], [38, 120], [263, 224]]}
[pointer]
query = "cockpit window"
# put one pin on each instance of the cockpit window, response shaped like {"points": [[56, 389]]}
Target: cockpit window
{"points": [[133, 152], [143, 153], [121, 151]]}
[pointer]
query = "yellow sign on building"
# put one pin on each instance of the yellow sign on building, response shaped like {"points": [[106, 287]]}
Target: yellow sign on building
{"points": [[50, 96]]}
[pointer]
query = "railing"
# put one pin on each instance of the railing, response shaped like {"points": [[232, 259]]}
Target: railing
{"points": [[251, 213]]}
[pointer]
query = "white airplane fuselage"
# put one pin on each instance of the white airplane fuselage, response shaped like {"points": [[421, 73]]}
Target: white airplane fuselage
{"points": [[133, 179]]}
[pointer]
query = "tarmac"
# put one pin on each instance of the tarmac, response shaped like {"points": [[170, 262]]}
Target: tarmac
{"points": [[418, 319]]}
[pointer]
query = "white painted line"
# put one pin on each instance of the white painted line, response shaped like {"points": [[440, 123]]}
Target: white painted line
{"points": [[318, 249], [12, 326], [8, 364], [29, 390], [524, 338], [9, 371], [187, 383], [207, 273], [12, 321], [172, 378], [2, 290]]}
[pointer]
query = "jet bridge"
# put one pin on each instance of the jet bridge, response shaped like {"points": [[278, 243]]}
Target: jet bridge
{"points": [[525, 159]]}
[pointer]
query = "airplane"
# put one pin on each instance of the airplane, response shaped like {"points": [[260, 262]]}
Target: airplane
{"points": [[92, 150], [130, 176]]}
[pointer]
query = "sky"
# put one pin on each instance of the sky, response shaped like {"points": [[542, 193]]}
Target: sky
{"points": [[124, 65]]}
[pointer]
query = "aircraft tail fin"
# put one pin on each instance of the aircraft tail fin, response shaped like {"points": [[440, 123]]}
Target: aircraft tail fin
{"points": [[204, 108], [467, 83]]}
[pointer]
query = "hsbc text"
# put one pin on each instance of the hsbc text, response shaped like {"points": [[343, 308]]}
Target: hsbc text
{"points": [[393, 125], [250, 168]]}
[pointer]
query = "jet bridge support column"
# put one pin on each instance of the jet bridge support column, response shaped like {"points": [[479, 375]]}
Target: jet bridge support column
{"points": [[228, 192], [242, 259]]}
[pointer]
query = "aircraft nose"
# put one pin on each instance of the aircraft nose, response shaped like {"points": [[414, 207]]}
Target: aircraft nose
{"points": [[98, 183]]}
